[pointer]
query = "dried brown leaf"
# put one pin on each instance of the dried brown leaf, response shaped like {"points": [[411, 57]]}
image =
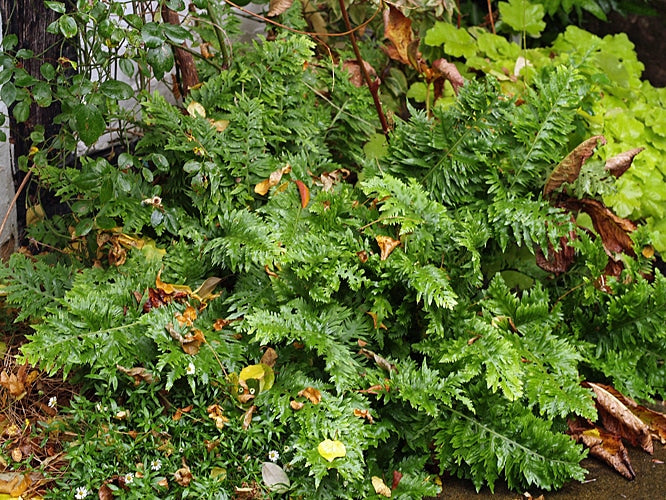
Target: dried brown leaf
{"points": [[447, 71], [273, 180], [296, 405], [612, 229], [355, 73], [311, 394], [381, 362], [247, 418], [138, 374], [304, 193], [183, 476], [619, 164], [569, 169], [618, 419], [559, 261], [398, 30], [364, 414], [386, 246], [269, 357], [277, 7], [604, 445]]}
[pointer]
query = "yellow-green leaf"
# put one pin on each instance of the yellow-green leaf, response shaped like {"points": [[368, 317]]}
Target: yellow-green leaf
{"points": [[331, 450]]}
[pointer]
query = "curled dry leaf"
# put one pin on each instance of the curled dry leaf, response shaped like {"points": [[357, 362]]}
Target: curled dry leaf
{"points": [[617, 418], [381, 362], [215, 413], [304, 193], [187, 317], [386, 246], [446, 70], [139, 374], [330, 449], [179, 412], [15, 383], [617, 165], [269, 357], [296, 405], [219, 125], [247, 418], [192, 342], [264, 186], [375, 320], [380, 487], [364, 414], [397, 476], [355, 73], [183, 476], [398, 30], [559, 261], [606, 446], [329, 179], [311, 394], [277, 7], [196, 109], [569, 169], [206, 289]]}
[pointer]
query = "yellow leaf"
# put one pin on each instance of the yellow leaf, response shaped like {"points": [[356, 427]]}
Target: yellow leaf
{"points": [[386, 246], [262, 187], [196, 109], [219, 125], [312, 394], [380, 487], [331, 450]]}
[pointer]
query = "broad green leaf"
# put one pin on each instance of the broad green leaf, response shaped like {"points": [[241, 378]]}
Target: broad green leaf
{"points": [[58, 7], [22, 110], [523, 16], [116, 89], [176, 34], [83, 227], [24, 54], [47, 70], [8, 93], [160, 59], [89, 123], [126, 66], [41, 92], [176, 5], [160, 162], [9, 41], [67, 26], [152, 35]]}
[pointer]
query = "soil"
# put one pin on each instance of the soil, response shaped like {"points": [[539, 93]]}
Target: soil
{"points": [[601, 483]]}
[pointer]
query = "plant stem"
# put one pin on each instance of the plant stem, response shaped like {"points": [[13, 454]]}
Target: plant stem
{"points": [[373, 86]]}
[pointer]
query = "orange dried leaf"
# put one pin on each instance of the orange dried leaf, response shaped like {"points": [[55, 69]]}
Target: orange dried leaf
{"points": [[364, 414], [569, 169], [264, 186], [386, 246], [139, 374], [187, 317], [192, 342], [304, 192], [398, 30], [311, 394], [247, 418], [296, 405], [179, 412], [183, 476]]}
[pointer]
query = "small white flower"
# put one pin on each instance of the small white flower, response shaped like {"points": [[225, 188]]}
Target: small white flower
{"points": [[53, 401], [81, 492], [273, 456], [156, 464], [190, 369], [129, 478]]}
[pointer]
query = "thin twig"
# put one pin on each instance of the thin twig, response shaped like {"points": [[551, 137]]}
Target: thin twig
{"points": [[372, 86], [490, 16], [13, 202]]}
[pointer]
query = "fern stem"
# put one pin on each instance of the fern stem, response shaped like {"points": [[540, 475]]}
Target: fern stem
{"points": [[373, 86]]}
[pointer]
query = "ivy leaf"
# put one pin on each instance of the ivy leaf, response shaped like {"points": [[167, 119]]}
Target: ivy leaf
{"points": [[569, 169], [115, 89], [89, 123], [523, 16], [277, 7], [67, 26], [41, 92], [331, 450], [160, 59], [619, 164], [152, 35]]}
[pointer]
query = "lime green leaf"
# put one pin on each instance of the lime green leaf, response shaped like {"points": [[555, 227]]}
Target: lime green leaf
{"points": [[457, 42], [523, 16]]}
